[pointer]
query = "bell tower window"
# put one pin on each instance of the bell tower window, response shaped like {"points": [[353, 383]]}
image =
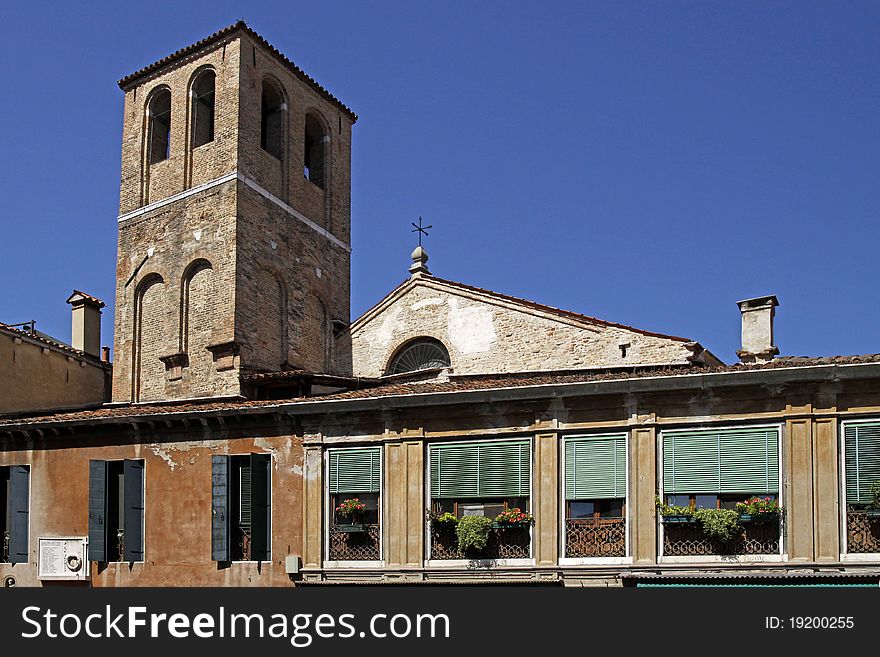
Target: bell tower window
{"points": [[272, 108], [159, 112], [203, 109]]}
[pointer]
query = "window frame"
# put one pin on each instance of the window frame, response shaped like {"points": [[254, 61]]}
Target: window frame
{"points": [[845, 555], [270, 519], [8, 504], [329, 512], [151, 99], [193, 113], [782, 555], [432, 563], [143, 513], [563, 506]]}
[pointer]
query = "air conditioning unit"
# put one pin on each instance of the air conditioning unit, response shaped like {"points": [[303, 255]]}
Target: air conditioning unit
{"points": [[65, 558]]}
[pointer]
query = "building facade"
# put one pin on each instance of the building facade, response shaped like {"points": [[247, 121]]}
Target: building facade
{"points": [[451, 434]]}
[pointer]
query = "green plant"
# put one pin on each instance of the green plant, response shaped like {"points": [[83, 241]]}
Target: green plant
{"points": [[671, 509], [444, 519], [720, 524], [473, 533], [875, 495], [515, 517], [350, 507]]}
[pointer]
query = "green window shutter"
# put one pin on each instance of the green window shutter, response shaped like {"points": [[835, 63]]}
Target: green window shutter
{"points": [[19, 476], [355, 470], [742, 460], [133, 523], [862, 446], [260, 500], [490, 469], [595, 467], [97, 510]]}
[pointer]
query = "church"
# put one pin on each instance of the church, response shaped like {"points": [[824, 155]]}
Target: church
{"points": [[250, 433]]}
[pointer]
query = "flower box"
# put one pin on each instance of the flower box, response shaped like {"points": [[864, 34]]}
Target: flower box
{"points": [[509, 525], [670, 519], [353, 528], [758, 517]]}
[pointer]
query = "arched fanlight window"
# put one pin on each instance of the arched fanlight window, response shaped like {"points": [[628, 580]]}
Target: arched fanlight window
{"points": [[313, 160], [159, 113], [272, 108], [419, 354], [203, 109]]}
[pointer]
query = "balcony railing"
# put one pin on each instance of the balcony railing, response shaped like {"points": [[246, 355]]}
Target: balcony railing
{"points": [[360, 545], [4, 547], [862, 532], [595, 537], [504, 543], [689, 539]]}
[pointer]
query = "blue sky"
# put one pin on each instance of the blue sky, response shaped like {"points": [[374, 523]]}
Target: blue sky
{"points": [[648, 163]]}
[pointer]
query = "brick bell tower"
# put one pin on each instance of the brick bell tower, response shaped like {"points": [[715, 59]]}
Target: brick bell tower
{"points": [[234, 222]]}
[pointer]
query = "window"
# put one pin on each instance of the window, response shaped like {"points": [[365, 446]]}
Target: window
{"points": [[241, 514], [354, 477], [116, 510], [313, 160], [861, 462], [159, 115], [595, 496], [272, 108], [419, 354], [14, 492], [203, 109], [717, 468]]}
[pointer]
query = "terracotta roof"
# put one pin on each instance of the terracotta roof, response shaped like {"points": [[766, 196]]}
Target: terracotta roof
{"points": [[396, 389], [87, 297], [534, 305], [128, 80], [48, 340]]}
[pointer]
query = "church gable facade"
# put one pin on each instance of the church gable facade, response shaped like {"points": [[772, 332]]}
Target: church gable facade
{"points": [[484, 332]]}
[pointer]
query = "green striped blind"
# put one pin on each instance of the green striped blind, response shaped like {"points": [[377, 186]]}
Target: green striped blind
{"points": [[862, 450], [743, 460], [485, 469], [355, 470], [595, 467]]}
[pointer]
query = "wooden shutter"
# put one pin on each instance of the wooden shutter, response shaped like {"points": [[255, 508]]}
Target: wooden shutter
{"points": [[355, 470], [133, 513], [743, 460], [481, 470], [98, 510], [862, 456], [220, 508], [260, 507], [595, 467], [19, 476]]}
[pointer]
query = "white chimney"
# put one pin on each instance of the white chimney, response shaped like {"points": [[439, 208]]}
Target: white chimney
{"points": [[757, 329], [86, 323]]}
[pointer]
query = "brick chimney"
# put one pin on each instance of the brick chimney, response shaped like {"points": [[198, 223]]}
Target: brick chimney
{"points": [[757, 329], [85, 333]]}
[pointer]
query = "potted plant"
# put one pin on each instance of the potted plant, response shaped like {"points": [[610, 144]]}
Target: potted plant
{"points": [[719, 524], [873, 508], [473, 533], [513, 518], [675, 514], [351, 509], [758, 509], [445, 520]]}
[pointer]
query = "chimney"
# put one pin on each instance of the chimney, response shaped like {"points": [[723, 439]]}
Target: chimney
{"points": [[86, 323], [757, 329]]}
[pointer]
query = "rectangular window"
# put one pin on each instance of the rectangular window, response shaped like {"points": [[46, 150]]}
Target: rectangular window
{"points": [[14, 507], [116, 510], [354, 477], [862, 461], [241, 514]]}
